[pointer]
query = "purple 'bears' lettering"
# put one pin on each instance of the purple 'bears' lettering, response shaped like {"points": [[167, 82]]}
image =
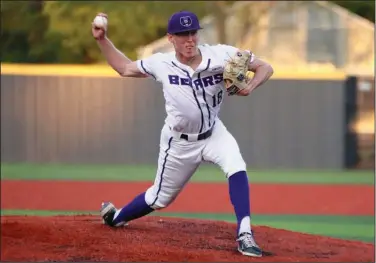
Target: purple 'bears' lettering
{"points": [[198, 83], [174, 79]]}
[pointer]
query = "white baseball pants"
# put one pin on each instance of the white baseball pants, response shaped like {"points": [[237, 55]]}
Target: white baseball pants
{"points": [[179, 159]]}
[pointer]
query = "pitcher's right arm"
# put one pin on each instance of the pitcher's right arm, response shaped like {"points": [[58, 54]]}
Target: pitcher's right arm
{"points": [[118, 61]]}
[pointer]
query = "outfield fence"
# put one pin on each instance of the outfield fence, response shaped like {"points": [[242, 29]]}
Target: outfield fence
{"points": [[288, 123]]}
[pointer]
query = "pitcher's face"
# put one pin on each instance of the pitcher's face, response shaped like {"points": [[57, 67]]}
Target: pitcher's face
{"points": [[185, 43]]}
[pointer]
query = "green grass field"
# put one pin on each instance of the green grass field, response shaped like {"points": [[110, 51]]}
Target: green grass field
{"points": [[206, 173], [346, 227]]}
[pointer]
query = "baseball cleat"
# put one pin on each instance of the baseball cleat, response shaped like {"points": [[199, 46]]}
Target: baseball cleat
{"points": [[247, 245], [108, 211]]}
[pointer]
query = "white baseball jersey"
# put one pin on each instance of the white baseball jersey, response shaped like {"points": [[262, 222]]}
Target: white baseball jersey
{"points": [[193, 98]]}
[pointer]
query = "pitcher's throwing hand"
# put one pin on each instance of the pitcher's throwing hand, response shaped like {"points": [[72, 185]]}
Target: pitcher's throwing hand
{"points": [[99, 26]]}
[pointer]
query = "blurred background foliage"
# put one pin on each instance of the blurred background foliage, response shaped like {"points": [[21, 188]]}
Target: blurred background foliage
{"points": [[60, 31]]}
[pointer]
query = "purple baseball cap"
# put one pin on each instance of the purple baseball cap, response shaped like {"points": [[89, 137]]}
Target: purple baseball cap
{"points": [[183, 21]]}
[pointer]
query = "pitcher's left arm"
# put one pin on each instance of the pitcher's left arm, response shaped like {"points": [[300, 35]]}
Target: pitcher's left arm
{"points": [[262, 72]]}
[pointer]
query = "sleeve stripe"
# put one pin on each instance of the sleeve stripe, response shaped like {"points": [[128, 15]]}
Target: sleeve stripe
{"points": [[142, 65]]}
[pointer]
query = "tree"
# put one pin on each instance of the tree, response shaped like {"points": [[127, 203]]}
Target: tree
{"points": [[219, 11], [249, 17], [24, 37], [365, 9]]}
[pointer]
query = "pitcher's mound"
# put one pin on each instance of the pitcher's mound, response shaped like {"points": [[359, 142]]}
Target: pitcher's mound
{"points": [[156, 239]]}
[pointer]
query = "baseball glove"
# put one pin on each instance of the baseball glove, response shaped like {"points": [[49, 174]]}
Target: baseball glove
{"points": [[235, 72]]}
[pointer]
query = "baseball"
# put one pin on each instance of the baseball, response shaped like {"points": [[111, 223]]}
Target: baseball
{"points": [[100, 22]]}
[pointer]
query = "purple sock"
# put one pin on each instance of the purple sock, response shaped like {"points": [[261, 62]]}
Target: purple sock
{"points": [[135, 209], [239, 195]]}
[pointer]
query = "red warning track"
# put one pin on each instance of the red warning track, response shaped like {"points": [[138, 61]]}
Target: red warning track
{"points": [[196, 197]]}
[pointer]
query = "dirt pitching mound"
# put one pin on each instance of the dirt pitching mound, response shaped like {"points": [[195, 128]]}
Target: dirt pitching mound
{"points": [[84, 238]]}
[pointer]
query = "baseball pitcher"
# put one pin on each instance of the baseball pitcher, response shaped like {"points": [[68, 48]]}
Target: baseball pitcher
{"points": [[195, 79]]}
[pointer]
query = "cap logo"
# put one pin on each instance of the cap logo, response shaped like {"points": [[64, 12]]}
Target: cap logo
{"points": [[186, 21]]}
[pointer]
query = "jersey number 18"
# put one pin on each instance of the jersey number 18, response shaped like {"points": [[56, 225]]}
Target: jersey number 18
{"points": [[217, 98]]}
